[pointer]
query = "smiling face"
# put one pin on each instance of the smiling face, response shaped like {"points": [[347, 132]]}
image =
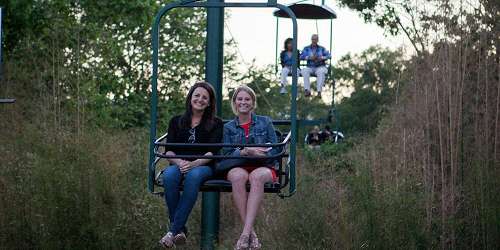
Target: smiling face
{"points": [[243, 103], [200, 99]]}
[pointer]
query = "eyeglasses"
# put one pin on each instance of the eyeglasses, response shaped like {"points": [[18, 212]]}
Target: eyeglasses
{"points": [[192, 137]]}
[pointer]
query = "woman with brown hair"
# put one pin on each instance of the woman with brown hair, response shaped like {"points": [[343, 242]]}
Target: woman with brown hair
{"points": [[198, 124]]}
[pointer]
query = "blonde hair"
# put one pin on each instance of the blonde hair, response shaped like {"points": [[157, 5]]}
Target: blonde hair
{"points": [[249, 91]]}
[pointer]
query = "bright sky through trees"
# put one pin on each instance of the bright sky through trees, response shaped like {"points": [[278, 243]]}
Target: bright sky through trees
{"points": [[254, 31]]}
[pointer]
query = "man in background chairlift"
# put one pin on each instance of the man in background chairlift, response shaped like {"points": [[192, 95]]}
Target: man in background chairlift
{"points": [[325, 135], [316, 56], [313, 139]]}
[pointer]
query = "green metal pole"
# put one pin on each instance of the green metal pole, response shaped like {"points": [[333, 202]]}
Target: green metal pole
{"points": [[1, 44], [276, 48], [214, 61], [331, 35]]}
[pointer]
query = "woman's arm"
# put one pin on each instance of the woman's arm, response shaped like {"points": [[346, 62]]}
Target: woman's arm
{"points": [[282, 58], [185, 166], [227, 139], [271, 137], [201, 162], [175, 161]]}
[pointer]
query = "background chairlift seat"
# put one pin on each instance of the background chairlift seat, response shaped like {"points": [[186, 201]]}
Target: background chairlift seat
{"points": [[2, 101], [335, 137], [308, 11], [222, 185], [312, 73]]}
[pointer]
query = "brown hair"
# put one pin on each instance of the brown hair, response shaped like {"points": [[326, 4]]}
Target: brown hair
{"points": [[208, 114]]}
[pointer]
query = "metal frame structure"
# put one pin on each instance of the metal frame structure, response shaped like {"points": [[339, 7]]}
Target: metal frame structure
{"points": [[327, 14], [213, 63], [8, 100], [216, 185], [301, 5]]}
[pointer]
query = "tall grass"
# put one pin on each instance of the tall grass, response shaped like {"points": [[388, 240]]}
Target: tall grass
{"points": [[60, 192]]}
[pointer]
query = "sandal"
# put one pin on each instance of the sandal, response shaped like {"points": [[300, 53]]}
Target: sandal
{"points": [[254, 242], [180, 238], [168, 240], [242, 243]]}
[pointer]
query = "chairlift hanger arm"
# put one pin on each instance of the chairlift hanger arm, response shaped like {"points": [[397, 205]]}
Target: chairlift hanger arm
{"points": [[155, 40]]}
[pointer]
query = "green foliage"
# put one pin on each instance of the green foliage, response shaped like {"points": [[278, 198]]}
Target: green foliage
{"points": [[366, 213], [94, 56], [88, 192], [374, 76], [73, 161]]}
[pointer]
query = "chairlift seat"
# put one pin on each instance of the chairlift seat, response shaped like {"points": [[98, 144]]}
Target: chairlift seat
{"points": [[2, 101], [222, 185], [312, 73]]}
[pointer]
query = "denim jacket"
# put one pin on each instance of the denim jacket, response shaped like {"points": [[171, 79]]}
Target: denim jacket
{"points": [[286, 61], [261, 131]]}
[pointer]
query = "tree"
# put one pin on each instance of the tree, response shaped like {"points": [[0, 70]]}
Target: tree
{"points": [[373, 76], [93, 57]]}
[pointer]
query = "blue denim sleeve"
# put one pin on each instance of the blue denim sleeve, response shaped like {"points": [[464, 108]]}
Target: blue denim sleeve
{"points": [[271, 134], [327, 54], [227, 139], [282, 58], [304, 53]]}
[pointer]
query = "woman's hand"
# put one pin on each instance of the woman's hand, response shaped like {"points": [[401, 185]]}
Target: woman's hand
{"points": [[185, 166], [178, 162], [257, 151]]}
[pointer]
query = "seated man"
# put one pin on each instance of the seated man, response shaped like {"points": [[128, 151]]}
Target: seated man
{"points": [[313, 140], [316, 56], [325, 135]]}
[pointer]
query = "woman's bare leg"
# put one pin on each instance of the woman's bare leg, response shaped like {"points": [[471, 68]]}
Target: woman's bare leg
{"points": [[257, 178], [238, 178]]}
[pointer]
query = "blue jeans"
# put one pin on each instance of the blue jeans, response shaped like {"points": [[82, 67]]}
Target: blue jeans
{"points": [[180, 206]]}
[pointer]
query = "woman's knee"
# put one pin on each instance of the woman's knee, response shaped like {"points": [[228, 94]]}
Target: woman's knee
{"points": [[171, 174], [260, 175], [199, 174], [237, 175]]}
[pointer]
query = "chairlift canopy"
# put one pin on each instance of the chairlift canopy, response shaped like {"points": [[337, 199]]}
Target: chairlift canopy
{"points": [[308, 11]]}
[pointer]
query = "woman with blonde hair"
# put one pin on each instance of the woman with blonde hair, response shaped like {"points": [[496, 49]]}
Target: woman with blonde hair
{"points": [[249, 128]]}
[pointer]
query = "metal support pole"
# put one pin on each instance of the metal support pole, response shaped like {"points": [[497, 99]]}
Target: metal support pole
{"points": [[213, 66], [1, 44], [276, 48]]}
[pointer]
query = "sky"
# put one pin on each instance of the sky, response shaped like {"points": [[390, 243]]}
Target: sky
{"points": [[254, 30]]}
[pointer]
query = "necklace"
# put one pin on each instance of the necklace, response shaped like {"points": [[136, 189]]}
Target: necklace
{"points": [[195, 121]]}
